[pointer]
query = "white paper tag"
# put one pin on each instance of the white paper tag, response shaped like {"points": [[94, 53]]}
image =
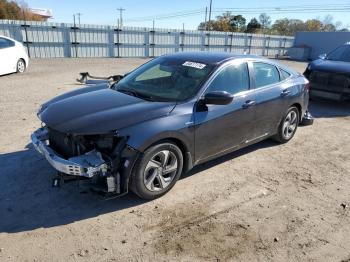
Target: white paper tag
{"points": [[194, 65]]}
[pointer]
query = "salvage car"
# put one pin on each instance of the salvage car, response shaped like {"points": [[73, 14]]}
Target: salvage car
{"points": [[170, 114], [13, 56], [329, 75]]}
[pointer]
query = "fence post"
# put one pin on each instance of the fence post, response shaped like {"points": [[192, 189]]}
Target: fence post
{"points": [[66, 40], [182, 40], [231, 42], [250, 43], [146, 43], [226, 42], [264, 45], [177, 41], [284, 45], [110, 41], [118, 41], [27, 42], [203, 34]]}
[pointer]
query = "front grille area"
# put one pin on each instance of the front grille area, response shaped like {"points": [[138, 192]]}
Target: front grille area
{"points": [[333, 82], [62, 143]]}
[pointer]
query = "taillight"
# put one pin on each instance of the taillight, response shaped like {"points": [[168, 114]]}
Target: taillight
{"points": [[308, 87]]}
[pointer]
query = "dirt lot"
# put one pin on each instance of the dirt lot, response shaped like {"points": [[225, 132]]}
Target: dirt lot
{"points": [[267, 202]]}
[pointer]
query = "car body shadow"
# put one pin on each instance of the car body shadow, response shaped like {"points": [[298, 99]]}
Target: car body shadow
{"points": [[327, 108], [217, 161], [28, 201]]}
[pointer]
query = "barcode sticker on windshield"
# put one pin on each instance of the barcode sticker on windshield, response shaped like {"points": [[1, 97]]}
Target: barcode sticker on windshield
{"points": [[194, 64]]}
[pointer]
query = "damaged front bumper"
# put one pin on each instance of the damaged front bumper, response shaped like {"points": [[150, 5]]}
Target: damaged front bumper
{"points": [[110, 178], [86, 165]]}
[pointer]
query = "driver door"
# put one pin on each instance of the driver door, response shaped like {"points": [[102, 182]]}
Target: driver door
{"points": [[222, 128]]}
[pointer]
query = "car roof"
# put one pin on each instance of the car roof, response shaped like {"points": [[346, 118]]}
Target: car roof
{"points": [[209, 57], [9, 38], [217, 58]]}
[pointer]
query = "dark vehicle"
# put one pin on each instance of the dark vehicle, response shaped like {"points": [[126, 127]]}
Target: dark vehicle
{"points": [[329, 75], [167, 116]]}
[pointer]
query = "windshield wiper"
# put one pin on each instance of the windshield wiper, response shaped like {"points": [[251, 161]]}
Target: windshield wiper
{"points": [[136, 94]]}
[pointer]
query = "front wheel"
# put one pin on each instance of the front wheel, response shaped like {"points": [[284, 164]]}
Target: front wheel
{"points": [[21, 66], [157, 171], [288, 125]]}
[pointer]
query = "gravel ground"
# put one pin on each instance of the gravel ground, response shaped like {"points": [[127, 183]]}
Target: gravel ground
{"points": [[267, 202]]}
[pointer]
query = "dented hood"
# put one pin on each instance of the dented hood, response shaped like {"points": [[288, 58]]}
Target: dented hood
{"points": [[98, 109]]}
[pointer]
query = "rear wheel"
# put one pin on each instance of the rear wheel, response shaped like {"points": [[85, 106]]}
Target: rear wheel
{"points": [[21, 66], [288, 125], [157, 171]]}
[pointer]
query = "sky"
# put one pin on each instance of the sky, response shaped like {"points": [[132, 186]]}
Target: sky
{"points": [[104, 12]]}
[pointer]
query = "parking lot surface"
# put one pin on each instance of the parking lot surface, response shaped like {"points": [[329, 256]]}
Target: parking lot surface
{"points": [[267, 202]]}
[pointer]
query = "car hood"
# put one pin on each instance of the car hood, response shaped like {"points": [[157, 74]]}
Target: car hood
{"points": [[330, 66], [99, 109]]}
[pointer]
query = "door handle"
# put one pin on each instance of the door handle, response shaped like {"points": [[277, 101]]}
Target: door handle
{"points": [[285, 92], [248, 104]]}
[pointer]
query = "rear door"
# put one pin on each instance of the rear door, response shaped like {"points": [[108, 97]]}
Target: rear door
{"points": [[221, 128], [271, 98], [7, 53]]}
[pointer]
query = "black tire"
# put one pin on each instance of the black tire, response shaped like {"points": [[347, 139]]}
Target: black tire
{"points": [[281, 136], [144, 171], [20, 66]]}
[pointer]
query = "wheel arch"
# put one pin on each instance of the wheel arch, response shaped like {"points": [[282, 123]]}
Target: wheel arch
{"points": [[298, 106], [178, 141]]}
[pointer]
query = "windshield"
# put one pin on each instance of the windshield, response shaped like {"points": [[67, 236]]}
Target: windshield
{"points": [[165, 79], [342, 53]]}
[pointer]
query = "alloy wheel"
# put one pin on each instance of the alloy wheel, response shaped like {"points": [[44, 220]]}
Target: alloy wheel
{"points": [[21, 66], [160, 171], [290, 124]]}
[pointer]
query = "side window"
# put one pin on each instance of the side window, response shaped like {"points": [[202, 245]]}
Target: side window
{"points": [[232, 79], [265, 74], [4, 43], [284, 74]]}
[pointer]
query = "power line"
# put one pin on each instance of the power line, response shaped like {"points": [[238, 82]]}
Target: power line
{"points": [[165, 16], [334, 8]]}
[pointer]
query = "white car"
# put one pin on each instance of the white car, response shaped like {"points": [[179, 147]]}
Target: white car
{"points": [[13, 56]]}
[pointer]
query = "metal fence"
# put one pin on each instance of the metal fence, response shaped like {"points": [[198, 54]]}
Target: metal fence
{"points": [[48, 40]]}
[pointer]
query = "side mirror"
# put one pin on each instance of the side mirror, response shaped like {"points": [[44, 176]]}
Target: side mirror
{"points": [[322, 56], [217, 98]]}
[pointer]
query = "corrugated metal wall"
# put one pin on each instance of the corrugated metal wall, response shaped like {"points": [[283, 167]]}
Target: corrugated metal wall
{"points": [[46, 40], [321, 42]]}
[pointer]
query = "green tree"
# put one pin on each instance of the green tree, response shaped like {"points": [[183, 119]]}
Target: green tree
{"points": [[281, 26], [313, 25], [238, 23], [253, 26], [265, 22], [12, 11]]}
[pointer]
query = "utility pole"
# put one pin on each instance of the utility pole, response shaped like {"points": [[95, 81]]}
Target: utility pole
{"points": [[79, 14], [120, 9], [205, 20], [210, 13]]}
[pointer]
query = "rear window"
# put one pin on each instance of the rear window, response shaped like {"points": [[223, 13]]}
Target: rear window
{"points": [[284, 74], [265, 74], [4, 43]]}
